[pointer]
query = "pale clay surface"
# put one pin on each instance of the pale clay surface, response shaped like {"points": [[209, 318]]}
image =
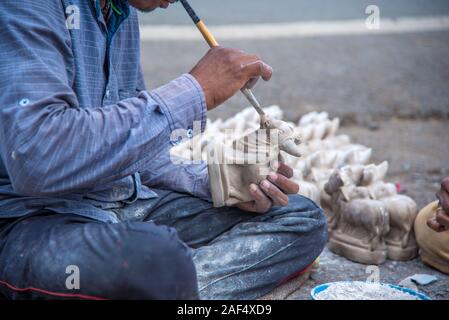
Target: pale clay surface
{"points": [[368, 221], [359, 290], [232, 169]]}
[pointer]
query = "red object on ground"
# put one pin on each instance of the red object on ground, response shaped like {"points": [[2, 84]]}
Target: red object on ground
{"points": [[297, 273]]}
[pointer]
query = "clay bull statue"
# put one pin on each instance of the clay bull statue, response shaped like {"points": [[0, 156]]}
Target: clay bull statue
{"points": [[232, 168], [358, 224]]}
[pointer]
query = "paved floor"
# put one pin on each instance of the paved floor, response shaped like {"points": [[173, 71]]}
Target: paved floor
{"points": [[357, 78], [215, 12], [335, 268], [390, 91]]}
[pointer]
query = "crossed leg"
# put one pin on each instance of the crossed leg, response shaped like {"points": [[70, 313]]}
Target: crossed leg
{"points": [[241, 255], [235, 254]]}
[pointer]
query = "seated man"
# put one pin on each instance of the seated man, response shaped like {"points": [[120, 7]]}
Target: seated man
{"points": [[432, 230], [90, 204]]}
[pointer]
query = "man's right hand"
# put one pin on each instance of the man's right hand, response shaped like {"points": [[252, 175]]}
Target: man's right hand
{"points": [[440, 222], [223, 71]]}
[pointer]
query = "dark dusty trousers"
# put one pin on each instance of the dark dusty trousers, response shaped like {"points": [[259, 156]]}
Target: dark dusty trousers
{"points": [[172, 247]]}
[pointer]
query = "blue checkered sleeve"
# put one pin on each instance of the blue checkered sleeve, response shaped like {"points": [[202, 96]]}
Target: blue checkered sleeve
{"points": [[50, 144]]}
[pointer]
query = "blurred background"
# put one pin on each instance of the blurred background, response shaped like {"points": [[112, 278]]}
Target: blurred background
{"points": [[389, 87]]}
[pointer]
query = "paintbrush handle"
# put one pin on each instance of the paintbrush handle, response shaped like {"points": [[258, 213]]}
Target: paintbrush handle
{"points": [[212, 42], [210, 39]]}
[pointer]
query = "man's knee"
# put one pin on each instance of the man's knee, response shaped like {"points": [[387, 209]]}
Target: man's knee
{"points": [[153, 263], [305, 218], [300, 203], [313, 219], [307, 213]]}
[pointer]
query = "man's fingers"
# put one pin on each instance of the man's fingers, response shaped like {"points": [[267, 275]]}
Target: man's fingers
{"points": [[445, 184], [278, 197], [224, 71], [442, 218], [286, 185], [285, 170], [443, 198], [261, 202], [256, 69], [433, 224], [440, 222]]}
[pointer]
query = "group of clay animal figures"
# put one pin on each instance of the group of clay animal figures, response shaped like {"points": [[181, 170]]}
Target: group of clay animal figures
{"points": [[368, 220]]}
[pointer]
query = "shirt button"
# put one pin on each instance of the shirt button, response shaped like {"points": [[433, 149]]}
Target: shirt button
{"points": [[24, 102], [108, 93]]}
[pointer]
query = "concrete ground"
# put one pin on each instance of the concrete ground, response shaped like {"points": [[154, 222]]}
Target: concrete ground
{"points": [[357, 78], [219, 12], [391, 92]]}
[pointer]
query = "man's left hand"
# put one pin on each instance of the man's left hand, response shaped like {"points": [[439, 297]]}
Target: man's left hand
{"points": [[440, 222], [272, 191]]}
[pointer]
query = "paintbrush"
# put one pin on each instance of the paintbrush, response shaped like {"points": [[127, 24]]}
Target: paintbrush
{"points": [[210, 39]]}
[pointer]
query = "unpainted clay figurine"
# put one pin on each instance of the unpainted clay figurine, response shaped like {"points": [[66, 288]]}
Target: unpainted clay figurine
{"points": [[249, 160], [352, 174], [357, 186], [358, 224], [307, 189], [317, 160], [317, 168], [361, 237], [373, 173], [353, 154], [401, 243], [313, 118], [317, 126], [331, 143]]}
